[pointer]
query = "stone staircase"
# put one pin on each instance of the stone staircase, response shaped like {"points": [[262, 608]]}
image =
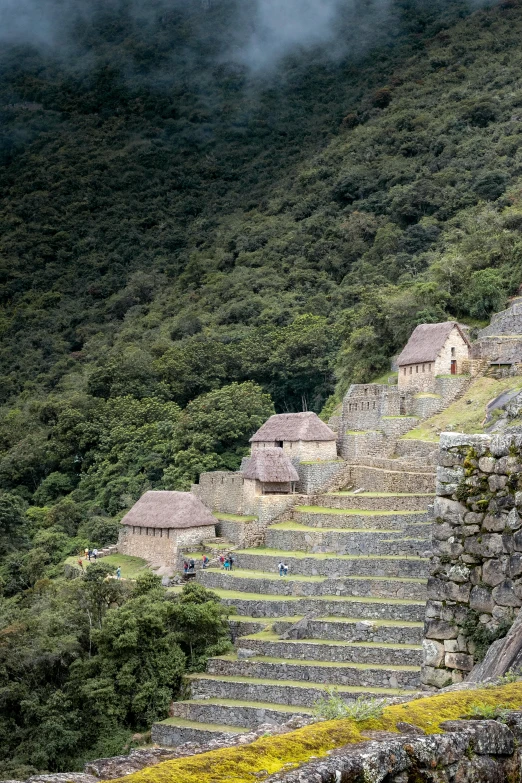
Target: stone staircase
{"points": [[349, 614]]}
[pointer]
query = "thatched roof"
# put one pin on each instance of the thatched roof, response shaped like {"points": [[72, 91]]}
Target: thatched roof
{"points": [[163, 509], [293, 427], [271, 466], [427, 341]]}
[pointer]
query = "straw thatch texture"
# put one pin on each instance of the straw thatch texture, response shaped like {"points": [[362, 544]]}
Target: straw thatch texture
{"points": [[294, 427], [427, 341], [270, 466], [163, 509]]}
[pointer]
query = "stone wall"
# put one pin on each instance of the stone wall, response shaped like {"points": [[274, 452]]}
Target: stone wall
{"points": [[160, 546], [469, 751], [418, 377], [475, 586], [313, 476], [221, 490], [455, 348], [303, 450]]}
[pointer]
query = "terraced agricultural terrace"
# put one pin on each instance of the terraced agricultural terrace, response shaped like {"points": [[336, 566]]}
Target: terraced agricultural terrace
{"points": [[349, 614]]}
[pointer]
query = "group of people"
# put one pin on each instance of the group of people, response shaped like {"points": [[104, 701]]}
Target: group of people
{"points": [[283, 568], [91, 554], [189, 567], [227, 562]]}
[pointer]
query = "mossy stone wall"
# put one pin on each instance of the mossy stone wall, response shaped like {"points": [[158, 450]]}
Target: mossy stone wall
{"points": [[475, 584]]}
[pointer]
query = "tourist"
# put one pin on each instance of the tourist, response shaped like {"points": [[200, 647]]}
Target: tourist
{"points": [[283, 569], [89, 555], [205, 561], [230, 560], [185, 567], [192, 566], [95, 553], [226, 565], [222, 561], [118, 573], [86, 552]]}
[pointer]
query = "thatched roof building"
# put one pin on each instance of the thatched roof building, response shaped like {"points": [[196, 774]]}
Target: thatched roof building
{"points": [[270, 466], [294, 427], [167, 510], [427, 341]]}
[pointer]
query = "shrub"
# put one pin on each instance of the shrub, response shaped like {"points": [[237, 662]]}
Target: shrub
{"points": [[331, 706]]}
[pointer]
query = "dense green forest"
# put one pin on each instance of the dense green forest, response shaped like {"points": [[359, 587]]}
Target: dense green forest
{"points": [[187, 245]]}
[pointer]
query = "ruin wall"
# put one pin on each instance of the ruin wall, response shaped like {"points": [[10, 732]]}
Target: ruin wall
{"points": [[475, 584]]}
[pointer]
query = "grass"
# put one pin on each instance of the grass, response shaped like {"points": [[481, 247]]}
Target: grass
{"points": [[307, 529], [459, 415], [384, 495], [383, 379], [269, 755], [291, 684], [323, 664], [270, 636], [233, 517], [300, 555], [131, 567], [232, 595], [356, 512], [192, 724], [242, 573]]}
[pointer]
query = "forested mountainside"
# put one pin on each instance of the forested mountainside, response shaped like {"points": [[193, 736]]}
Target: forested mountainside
{"points": [[191, 241]]}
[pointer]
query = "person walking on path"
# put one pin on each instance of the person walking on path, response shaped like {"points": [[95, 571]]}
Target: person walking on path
{"points": [[222, 561], [118, 573], [86, 553], [227, 565], [95, 554], [230, 560], [89, 555], [185, 567], [205, 561]]}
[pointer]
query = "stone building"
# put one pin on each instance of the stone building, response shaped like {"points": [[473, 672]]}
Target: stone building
{"points": [[433, 349], [269, 472], [161, 522], [499, 345], [302, 436]]}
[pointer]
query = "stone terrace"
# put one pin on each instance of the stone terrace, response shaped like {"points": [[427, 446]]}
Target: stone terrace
{"points": [[349, 614]]}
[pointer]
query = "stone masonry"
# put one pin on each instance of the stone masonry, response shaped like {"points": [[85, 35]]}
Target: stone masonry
{"points": [[475, 584], [349, 613]]}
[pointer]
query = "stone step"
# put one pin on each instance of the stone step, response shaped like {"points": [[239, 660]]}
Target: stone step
{"points": [[236, 712], [309, 564], [259, 582], [172, 732], [256, 605], [356, 519], [351, 629], [381, 480], [287, 692], [289, 536], [268, 644], [376, 501], [323, 672]]}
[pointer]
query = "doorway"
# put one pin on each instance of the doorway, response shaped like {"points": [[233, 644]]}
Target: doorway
{"points": [[453, 366]]}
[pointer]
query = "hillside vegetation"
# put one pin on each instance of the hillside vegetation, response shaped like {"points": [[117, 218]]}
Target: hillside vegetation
{"points": [[187, 247]]}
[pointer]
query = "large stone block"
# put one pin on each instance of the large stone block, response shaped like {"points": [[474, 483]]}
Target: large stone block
{"points": [[437, 678], [487, 545], [432, 653], [480, 600], [440, 629], [459, 573], [515, 565], [458, 592], [456, 660], [504, 595], [513, 520], [494, 524], [493, 572], [487, 464], [448, 510], [441, 532]]}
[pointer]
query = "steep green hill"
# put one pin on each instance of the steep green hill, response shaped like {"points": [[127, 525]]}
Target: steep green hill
{"points": [[182, 237]]}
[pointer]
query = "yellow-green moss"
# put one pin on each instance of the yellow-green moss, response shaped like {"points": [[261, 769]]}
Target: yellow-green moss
{"points": [[243, 764]]}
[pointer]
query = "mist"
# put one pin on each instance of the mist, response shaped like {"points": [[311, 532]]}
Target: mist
{"points": [[260, 35]]}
